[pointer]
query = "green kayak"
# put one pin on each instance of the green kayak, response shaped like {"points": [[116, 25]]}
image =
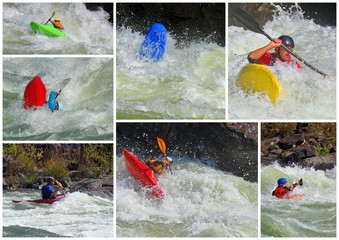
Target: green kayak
{"points": [[46, 29]]}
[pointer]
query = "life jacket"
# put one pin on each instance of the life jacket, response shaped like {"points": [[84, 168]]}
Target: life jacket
{"points": [[46, 191], [280, 191], [269, 59], [57, 25], [157, 165]]}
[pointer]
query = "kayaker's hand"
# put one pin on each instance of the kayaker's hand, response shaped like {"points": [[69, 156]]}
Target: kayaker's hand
{"points": [[275, 43]]}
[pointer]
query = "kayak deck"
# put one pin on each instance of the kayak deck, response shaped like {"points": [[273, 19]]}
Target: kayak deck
{"points": [[46, 201], [46, 29], [143, 173]]}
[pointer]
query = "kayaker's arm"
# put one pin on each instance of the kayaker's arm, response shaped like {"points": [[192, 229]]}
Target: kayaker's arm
{"points": [[255, 55]]}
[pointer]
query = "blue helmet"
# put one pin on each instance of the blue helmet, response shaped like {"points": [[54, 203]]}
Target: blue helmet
{"points": [[282, 181]]}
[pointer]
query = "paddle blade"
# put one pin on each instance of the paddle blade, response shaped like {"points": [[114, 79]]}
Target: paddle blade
{"points": [[58, 183], [162, 145], [246, 20], [50, 17], [301, 182], [18, 201], [64, 83]]}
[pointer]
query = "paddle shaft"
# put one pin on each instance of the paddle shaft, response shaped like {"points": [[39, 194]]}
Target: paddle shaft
{"points": [[50, 17], [252, 25]]}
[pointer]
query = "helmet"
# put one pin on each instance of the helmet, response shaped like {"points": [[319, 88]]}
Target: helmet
{"points": [[286, 40], [169, 159], [50, 179], [61, 106], [57, 19], [282, 181]]}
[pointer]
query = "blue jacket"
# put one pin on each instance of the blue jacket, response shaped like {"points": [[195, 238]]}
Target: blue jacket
{"points": [[47, 191]]}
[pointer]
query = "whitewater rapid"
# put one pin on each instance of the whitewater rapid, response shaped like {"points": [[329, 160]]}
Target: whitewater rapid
{"points": [[89, 31], [188, 83], [200, 202], [88, 99], [312, 216], [77, 215], [305, 93]]}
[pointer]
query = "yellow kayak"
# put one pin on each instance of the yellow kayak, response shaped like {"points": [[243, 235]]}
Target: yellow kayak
{"points": [[257, 78]]}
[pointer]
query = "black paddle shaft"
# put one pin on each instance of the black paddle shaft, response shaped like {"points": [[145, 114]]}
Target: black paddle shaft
{"points": [[249, 22]]}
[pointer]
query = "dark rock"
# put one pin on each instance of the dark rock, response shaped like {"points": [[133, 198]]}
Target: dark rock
{"points": [[291, 141], [108, 7], [320, 162], [95, 187]]}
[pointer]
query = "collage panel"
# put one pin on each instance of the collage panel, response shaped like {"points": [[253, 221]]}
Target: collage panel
{"points": [[282, 61], [170, 61], [34, 89], [298, 180], [187, 180], [57, 190], [58, 28]]}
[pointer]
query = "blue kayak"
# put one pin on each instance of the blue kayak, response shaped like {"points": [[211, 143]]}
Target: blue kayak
{"points": [[154, 44]]}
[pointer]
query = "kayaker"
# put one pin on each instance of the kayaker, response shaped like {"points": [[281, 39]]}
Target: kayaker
{"points": [[158, 165], [53, 104], [57, 24], [282, 190], [263, 56], [48, 191]]}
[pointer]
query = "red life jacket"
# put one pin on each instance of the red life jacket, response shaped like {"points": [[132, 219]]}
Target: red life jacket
{"points": [[270, 58], [280, 191]]}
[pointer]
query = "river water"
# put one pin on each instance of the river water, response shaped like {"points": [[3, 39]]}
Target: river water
{"points": [[312, 216], [305, 93], [88, 99], [77, 215], [200, 201], [89, 31], [188, 83]]}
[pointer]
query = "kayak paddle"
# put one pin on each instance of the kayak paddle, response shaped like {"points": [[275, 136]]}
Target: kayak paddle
{"points": [[300, 183], [162, 146], [64, 84], [253, 26], [50, 17]]}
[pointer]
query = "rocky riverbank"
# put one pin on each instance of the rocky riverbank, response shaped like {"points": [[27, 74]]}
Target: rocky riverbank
{"points": [[307, 146]]}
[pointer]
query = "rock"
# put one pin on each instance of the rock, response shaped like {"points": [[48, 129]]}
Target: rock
{"points": [[320, 162], [291, 141], [95, 187]]}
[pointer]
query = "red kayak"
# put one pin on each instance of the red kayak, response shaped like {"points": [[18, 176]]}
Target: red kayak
{"points": [[47, 201], [143, 173], [35, 93]]}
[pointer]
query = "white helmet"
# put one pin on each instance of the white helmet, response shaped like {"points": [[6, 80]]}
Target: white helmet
{"points": [[169, 159]]}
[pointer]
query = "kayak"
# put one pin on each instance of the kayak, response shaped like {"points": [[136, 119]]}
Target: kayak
{"points": [[258, 78], [143, 173], [46, 201], [153, 47], [46, 29], [35, 93], [296, 196]]}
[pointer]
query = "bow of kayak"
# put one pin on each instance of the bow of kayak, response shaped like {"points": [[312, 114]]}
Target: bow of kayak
{"points": [[258, 78], [143, 173], [46, 29]]}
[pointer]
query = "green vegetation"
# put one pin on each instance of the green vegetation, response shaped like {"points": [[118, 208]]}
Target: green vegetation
{"points": [[27, 162]]}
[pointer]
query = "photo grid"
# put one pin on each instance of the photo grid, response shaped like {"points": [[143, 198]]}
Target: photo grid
{"points": [[177, 119]]}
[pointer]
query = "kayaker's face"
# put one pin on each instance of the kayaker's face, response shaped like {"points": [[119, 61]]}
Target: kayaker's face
{"points": [[284, 54]]}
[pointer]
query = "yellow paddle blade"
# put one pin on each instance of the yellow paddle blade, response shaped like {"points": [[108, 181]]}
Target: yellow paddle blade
{"points": [[59, 183], [162, 145]]}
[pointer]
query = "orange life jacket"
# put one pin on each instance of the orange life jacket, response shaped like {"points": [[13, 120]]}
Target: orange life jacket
{"points": [[57, 25], [157, 165]]}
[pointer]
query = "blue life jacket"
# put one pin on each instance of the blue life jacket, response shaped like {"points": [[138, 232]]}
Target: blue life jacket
{"points": [[46, 191]]}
